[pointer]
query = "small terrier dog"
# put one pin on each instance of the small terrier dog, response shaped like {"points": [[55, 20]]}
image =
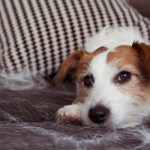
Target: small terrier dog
{"points": [[112, 78]]}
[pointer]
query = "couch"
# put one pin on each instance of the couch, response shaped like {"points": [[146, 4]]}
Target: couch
{"points": [[27, 119]]}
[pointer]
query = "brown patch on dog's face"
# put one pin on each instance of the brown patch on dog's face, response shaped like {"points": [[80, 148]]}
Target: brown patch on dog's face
{"points": [[123, 56], [81, 73], [83, 63], [143, 52], [136, 62], [77, 65]]}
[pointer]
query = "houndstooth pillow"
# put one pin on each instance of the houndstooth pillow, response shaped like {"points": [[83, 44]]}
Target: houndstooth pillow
{"points": [[37, 35]]}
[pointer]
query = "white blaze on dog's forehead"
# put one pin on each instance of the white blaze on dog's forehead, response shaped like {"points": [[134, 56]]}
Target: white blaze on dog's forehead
{"points": [[100, 69], [103, 74]]}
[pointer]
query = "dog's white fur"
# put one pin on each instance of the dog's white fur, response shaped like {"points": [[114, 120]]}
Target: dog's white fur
{"points": [[126, 110], [112, 37]]}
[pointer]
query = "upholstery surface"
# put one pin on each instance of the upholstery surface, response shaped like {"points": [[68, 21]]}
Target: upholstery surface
{"points": [[27, 121]]}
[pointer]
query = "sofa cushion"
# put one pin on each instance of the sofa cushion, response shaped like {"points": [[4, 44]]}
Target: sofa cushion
{"points": [[36, 36]]}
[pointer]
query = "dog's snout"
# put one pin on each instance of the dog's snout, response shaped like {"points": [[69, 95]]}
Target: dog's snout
{"points": [[99, 114]]}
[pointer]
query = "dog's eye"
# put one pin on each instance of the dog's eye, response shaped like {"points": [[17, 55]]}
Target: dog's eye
{"points": [[88, 80], [123, 77]]}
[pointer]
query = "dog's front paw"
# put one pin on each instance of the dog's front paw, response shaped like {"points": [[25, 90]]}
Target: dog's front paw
{"points": [[69, 113]]}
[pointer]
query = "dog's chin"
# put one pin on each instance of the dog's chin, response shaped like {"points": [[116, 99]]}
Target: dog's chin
{"points": [[129, 125], [106, 125], [110, 125]]}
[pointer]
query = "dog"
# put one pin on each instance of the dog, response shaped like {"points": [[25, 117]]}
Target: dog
{"points": [[112, 77]]}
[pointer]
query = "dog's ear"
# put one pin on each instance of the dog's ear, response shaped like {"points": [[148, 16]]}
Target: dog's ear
{"points": [[143, 51], [68, 66]]}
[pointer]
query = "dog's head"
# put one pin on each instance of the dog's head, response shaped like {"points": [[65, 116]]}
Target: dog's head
{"points": [[113, 85]]}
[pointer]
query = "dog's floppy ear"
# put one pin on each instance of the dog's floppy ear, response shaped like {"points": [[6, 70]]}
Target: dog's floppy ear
{"points": [[143, 51], [68, 66]]}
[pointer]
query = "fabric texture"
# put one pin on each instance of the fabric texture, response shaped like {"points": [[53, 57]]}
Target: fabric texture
{"points": [[37, 35], [27, 122]]}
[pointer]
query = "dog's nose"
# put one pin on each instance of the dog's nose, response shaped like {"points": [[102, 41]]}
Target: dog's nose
{"points": [[99, 114]]}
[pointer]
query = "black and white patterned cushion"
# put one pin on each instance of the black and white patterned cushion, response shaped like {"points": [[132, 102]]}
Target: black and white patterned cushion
{"points": [[37, 35]]}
